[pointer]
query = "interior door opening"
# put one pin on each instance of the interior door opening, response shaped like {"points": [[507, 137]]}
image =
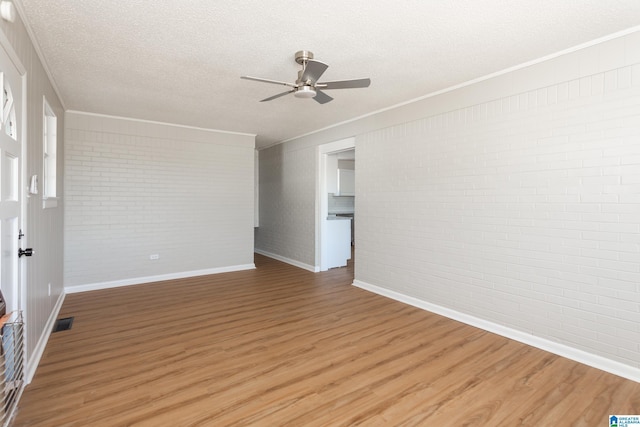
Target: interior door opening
{"points": [[334, 202]]}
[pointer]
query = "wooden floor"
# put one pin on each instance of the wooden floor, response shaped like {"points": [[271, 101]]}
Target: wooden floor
{"points": [[280, 346]]}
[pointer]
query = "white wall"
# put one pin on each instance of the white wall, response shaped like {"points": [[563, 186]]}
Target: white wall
{"points": [[43, 228], [138, 188], [512, 202], [287, 204]]}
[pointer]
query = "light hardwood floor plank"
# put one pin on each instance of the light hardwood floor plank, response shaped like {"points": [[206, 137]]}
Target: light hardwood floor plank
{"points": [[281, 346]]}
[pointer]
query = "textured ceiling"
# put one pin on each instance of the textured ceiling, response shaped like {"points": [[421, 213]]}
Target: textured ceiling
{"points": [[181, 62]]}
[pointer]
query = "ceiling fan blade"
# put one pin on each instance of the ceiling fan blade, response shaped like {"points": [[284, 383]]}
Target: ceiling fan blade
{"points": [[278, 95], [322, 97], [258, 79], [313, 70], [344, 84]]}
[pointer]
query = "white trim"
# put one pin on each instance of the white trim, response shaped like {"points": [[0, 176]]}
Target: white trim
{"points": [[36, 47], [11, 52], [290, 261], [256, 188], [590, 359], [132, 119], [467, 83], [38, 350], [157, 278], [322, 204]]}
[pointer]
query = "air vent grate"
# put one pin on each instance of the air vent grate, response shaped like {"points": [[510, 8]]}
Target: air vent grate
{"points": [[63, 324]]}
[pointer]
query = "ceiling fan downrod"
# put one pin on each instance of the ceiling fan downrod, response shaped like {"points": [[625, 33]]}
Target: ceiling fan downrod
{"points": [[305, 89]]}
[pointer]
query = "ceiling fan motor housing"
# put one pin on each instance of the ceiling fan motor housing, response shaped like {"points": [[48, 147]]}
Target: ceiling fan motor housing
{"points": [[302, 56]]}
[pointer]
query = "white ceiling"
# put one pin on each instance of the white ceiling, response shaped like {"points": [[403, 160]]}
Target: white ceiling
{"points": [[181, 62]]}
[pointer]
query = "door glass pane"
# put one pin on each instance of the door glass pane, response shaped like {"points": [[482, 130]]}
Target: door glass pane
{"points": [[9, 174], [10, 124], [8, 112]]}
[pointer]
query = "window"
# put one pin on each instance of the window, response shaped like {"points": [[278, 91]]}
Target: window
{"points": [[8, 112], [50, 145]]}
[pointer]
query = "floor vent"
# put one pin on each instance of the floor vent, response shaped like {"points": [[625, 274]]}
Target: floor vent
{"points": [[63, 324]]}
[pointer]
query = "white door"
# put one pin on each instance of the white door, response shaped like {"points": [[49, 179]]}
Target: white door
{"points": [[10, 175]]}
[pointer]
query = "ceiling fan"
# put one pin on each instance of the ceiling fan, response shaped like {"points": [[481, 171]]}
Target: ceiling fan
{"points": [[307, 84]]}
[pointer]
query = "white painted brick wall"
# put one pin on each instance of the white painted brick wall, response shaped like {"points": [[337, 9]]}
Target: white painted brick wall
{"points": [[523, 210], [287, 203], [135, 188], [514, 199]]}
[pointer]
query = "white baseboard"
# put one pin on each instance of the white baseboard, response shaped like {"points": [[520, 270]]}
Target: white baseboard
{"points": [[593, 360], [158, 278], [38, 351], [290, 261]]}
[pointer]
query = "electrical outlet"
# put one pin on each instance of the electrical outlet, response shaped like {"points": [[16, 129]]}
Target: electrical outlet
{"points": [[154, 256]]}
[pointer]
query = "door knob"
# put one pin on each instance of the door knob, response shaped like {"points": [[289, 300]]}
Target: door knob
{"points": [[25, 252]]}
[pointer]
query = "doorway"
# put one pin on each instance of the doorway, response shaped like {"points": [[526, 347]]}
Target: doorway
{"points": [[325, 248], [11, 166]]}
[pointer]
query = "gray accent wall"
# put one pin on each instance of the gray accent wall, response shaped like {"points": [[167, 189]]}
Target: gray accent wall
{"points": [[512, 200]]}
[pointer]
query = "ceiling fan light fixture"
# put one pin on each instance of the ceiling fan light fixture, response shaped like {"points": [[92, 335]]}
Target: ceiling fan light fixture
{"points": [[305, 92], [307, 85]]}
